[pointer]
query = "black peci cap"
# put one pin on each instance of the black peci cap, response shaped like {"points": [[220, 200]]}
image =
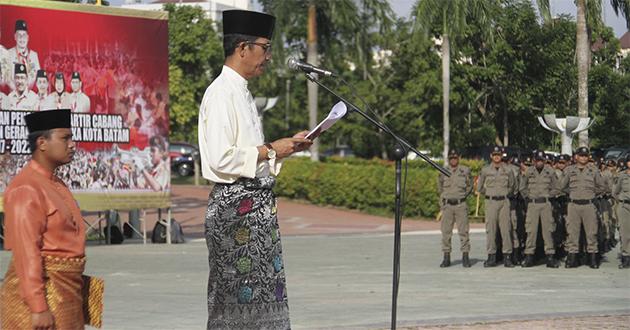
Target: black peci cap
{"points": [[45, 120], [76, 75], [41, 74], [20, 25], [20, 68], [249, 23], [59, 75]]}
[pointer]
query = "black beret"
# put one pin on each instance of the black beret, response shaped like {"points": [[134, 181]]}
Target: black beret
{"points": [[45, 120], [249, 23], [582, 151]]}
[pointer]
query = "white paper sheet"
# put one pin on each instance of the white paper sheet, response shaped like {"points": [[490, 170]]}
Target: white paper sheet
{"points": [[337, 112]]}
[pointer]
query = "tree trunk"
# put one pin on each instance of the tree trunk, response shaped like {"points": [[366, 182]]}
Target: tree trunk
{"points": [[506, 136], [311, 57], [446, 87], [583, 53]]}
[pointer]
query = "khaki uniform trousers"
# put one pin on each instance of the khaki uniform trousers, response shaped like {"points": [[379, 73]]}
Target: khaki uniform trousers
{"points": [[452, 214], [623, 214], [582, 215], [607, 218], [539, 213], [498, 218], [516, 243]]}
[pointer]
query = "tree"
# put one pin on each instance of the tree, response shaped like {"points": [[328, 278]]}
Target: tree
{"points": [[195, 57], [452, 18], [589, 18]]}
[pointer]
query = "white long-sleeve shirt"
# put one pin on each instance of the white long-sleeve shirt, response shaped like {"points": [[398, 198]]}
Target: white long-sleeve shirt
{"points": [[230, 131]]}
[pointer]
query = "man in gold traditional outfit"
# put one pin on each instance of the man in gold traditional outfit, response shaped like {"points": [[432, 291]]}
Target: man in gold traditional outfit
{"points": [[45, 231]]}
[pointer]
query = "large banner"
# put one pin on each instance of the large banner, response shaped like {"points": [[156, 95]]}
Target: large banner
{"points": [[110, 67]]}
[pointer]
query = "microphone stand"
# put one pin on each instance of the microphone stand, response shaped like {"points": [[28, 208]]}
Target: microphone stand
{"points": [[400, 151]]}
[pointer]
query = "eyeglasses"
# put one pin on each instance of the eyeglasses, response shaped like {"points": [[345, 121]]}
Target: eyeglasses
{"points": [[266, 47]]}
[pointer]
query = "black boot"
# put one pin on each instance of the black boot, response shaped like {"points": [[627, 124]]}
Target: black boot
{"points": [[491, 262], [465, 260], [593, 261], [625, 262], [551, 261], [508, 261], [517, 256], [529, 261], [447, 260], [571, 261]]}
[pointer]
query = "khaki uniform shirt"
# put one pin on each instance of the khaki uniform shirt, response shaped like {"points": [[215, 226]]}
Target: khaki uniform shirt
{"points": [[495, 181], [621, 189], [536, 184], [457, 186], [584, 183]]}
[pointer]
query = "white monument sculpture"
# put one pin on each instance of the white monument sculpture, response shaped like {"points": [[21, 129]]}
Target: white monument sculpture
{"points": [[567, 127]]}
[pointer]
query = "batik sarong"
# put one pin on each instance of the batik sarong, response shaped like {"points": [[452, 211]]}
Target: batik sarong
{"points": [[246, 285], [63, 285]]}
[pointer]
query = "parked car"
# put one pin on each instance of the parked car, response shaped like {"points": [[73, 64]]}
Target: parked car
{"points": [[183, 157]]}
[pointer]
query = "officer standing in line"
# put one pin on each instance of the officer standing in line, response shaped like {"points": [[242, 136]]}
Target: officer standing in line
{"points": [[560, 206], [514, 209], [538, 185], [609, 173], [453, 192], [582, 182], [497, 183], [621, 192]]}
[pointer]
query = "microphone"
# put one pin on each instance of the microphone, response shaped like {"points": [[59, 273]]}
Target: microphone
{"points": [[297, 65]]}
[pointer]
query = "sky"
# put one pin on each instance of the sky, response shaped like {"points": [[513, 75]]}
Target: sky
{"points": [[403, 8]]}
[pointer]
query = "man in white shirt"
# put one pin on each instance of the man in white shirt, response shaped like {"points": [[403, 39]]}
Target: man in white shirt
{"points": [[42, 90], [247, 287], [21, 98], [21, 54], [79, 102]]}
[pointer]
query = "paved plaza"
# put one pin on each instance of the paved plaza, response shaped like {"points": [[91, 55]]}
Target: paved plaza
{"points": [[342, 280]]}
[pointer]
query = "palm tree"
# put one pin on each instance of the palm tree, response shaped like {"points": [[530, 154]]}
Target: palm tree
{"points": [[452, 17], [588, 18]]}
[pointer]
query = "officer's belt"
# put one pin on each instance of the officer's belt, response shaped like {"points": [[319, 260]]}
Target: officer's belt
{"points": [[453, 201], [538, 200], [582, 201], [625, 201], [496, 198]]}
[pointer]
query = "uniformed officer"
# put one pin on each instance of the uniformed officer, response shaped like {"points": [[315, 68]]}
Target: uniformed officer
{"points": [[453, 192], [79, 102], [42, 90], [559, 204], [538, 185], [21, 54], [609, 220], [582, 182], [21, 98], [59, 98], [497, 183], [514, 208], [621, 192]]}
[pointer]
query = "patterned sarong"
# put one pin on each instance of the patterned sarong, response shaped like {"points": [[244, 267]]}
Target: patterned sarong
{"points": [[64, 283], [246, 286]]}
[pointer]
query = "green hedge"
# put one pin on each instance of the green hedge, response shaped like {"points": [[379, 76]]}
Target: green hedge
{"points": [[366, 185]]}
